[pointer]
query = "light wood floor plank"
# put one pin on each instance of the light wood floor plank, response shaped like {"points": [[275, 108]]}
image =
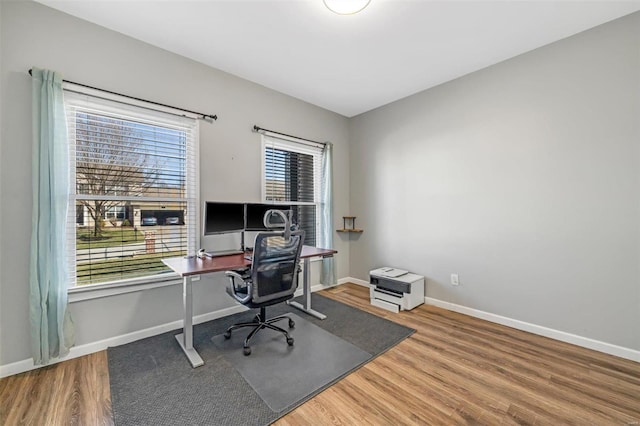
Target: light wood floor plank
{"points": [[74, 392], [454, 370]]}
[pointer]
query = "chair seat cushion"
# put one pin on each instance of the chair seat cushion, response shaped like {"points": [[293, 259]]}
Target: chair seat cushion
{"points": [[243, 291], [269, 303]]}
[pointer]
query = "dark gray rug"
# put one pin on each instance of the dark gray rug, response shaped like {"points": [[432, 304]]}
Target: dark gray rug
{"points": [[152, 382], [280, 373]]}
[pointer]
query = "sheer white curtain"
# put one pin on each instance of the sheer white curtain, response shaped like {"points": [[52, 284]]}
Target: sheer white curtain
{"points": [[328, 273], [52, 331]]}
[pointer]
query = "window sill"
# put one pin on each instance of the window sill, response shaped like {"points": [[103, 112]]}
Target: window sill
{"points": [[78, 294]]}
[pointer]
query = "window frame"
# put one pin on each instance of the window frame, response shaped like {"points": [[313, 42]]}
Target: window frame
{"points": [[115, 106], [301, 147]]}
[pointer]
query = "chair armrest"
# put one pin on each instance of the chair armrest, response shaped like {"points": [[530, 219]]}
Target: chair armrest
{"points": [[240, 297], [233, 274]]}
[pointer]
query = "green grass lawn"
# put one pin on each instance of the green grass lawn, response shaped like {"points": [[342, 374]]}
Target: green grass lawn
{"points": [[111, 237], [123, 268]]}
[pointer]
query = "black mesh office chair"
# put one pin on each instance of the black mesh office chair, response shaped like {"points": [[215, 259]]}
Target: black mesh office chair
{"points": [[273, 279]]}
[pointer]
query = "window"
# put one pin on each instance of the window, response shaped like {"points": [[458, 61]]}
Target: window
{"points": [[133, 169], [114, 213], [291, 175]]}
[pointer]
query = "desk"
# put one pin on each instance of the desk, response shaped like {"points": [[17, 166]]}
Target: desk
{"points": [[187, 268]]}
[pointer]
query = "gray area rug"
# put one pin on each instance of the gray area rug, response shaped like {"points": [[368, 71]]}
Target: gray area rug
{"points": [[152, 382], [280, 373]]}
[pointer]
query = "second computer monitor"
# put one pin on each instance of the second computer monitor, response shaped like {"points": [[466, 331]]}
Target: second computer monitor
{"points": [[255, 215]]}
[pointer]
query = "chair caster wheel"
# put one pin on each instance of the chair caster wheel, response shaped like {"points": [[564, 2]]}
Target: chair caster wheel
{"points": [[290, 341], [246, 351], [256, 318], [227, 335], [291, 323]]}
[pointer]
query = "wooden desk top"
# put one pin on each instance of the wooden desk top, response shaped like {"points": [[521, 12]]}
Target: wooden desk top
{"points": [[197, 266]]}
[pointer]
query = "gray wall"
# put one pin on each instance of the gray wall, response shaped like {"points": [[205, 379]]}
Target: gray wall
{"points": [[34, 35], [523, 178]]}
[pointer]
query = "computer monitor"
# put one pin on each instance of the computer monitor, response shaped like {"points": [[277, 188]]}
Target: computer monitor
{"points": [[255, 215], [220, 217]]}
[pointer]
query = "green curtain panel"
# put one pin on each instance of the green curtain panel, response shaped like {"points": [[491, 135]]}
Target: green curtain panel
{"points": [[328, 273], [51, 327]]}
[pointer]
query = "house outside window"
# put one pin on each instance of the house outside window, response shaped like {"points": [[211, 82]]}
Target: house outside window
{"points": [[126, 160]]}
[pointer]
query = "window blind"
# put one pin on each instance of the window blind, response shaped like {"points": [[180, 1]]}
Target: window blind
{"points": [[134, 199], [292, 175]]}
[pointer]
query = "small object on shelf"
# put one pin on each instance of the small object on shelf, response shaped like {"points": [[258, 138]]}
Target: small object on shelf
{"points": [[351, 221]]}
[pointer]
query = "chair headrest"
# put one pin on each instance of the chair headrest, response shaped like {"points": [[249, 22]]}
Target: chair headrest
{"points": [[285, 219]]}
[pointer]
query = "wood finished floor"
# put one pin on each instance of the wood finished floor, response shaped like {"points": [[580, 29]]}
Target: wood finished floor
{"points": [[454, 370]]}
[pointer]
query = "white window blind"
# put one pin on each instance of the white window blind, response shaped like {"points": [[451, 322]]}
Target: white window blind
{"points": [[134, 200], [291, 175]]}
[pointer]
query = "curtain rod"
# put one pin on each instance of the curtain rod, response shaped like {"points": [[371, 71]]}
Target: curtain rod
{"points": [[204, 116], [261, 130]]}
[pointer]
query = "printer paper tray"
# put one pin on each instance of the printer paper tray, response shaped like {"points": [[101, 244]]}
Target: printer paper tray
{"points": [[385, 305]]}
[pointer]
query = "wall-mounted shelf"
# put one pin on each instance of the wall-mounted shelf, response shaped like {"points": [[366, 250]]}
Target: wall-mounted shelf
{"points": [[349, 225]]}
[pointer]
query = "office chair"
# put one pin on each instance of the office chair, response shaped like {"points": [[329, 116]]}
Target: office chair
{"points": [[273, 279]]}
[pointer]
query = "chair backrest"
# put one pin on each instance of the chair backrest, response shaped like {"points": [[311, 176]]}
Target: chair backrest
{"points": [[274, 267]]}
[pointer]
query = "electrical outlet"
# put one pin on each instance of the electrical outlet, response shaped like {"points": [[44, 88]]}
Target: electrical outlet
{"points": [[454, 279]]}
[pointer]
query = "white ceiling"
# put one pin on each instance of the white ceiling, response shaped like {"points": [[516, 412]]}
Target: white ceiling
{"points": [[347, 64]]}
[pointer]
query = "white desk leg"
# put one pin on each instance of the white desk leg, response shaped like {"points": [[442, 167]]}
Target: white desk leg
{"points": [[306, 288], [185, 339]]}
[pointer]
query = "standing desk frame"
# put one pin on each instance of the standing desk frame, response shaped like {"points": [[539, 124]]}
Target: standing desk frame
{"points": [[187, 268]]}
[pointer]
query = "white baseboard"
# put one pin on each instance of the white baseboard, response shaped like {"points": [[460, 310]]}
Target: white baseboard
{"points": [[89, 348], [562, 336], [78, 351], [354, 281]]}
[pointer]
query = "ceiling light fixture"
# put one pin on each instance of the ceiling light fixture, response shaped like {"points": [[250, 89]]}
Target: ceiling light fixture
{"points": [[346, 7]]}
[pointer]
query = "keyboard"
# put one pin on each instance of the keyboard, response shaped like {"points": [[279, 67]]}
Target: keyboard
{"points": [[223, 253]]}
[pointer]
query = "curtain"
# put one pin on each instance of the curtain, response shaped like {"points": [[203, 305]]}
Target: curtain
{"points": [[52, 331], [328, 273]]}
